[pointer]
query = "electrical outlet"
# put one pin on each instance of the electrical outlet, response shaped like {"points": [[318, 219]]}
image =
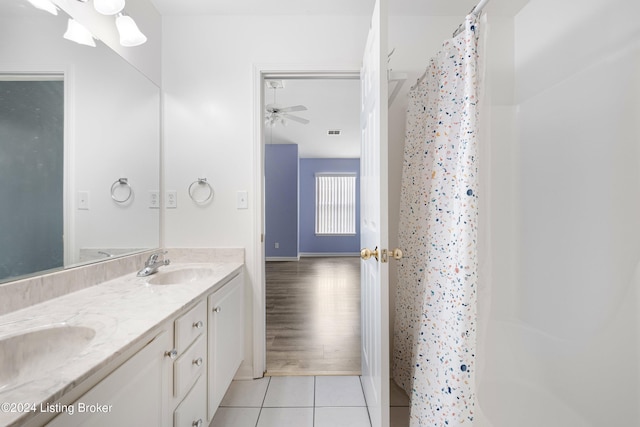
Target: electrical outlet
{"points": [[277, 245], [154, 200], [172, 199], [243, 200], [83, 200]]}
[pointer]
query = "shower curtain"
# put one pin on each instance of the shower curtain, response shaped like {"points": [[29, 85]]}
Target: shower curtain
{"points": [[435, 324]]}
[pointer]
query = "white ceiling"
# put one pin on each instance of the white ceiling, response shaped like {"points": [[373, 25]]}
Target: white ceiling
{"points": [[331, 104], [327, 7]]}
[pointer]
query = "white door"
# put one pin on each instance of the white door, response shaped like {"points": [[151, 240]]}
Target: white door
{"points": [[374, 232]]}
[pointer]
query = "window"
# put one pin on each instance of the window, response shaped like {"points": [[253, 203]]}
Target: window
{"points": [[336, 204]]}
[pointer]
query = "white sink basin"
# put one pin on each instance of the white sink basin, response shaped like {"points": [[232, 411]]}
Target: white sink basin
{"points": [[32, 354], [181, 276]]}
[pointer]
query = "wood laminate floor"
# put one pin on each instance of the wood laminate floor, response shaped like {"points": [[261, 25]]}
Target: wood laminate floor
{"points": [[313, 316]]}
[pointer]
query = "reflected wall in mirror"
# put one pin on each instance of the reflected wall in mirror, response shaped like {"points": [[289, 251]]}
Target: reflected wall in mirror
{"points": [[67, 204]]}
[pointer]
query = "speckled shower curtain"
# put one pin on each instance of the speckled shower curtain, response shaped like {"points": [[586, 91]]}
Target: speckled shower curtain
{"points": [[435, 323]]}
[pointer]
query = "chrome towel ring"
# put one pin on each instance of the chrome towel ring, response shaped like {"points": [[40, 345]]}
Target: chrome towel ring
{"points": [[200, 181], [121, 182]]}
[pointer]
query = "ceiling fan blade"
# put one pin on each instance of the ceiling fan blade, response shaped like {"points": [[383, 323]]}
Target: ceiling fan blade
{"points": [[295, 118], [292, 109]]}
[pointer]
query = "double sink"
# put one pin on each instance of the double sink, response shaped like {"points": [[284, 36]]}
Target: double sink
{"points": [[48, 346]]}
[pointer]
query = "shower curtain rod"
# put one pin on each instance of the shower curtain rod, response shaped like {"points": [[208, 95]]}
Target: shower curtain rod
{"points": [[476, 10]]}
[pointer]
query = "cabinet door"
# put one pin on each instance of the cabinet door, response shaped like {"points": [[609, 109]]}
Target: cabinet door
{"points": [[135, 394], [226, 339]]}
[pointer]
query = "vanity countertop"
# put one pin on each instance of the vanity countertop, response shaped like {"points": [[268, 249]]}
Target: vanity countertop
{"points": [[122, 312]]}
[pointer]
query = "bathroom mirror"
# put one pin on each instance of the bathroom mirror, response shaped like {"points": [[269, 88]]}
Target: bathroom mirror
{"points": [[79, 148]]}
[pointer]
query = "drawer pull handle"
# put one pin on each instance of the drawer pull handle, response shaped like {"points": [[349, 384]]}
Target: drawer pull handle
{"points": [[198, 324], [171, 353], [217, 309], [198, 361], [197, 423]]}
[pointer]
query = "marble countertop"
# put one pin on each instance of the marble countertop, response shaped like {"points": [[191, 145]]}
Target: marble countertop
{"points": [[122, 312]]}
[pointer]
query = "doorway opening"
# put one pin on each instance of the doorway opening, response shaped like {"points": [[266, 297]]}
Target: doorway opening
{"points": [[310, 127]]}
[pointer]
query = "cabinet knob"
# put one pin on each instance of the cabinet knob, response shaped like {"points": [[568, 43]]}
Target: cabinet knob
{"points": [[198, 324], [197, 423], [171, 353], [198, 361], [217, 309]]}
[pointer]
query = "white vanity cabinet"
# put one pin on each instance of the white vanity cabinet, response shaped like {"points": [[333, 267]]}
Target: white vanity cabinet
{"points": [[180, 377], [135, 394], [226, 339]]}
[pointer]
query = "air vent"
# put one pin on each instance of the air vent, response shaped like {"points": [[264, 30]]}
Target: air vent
{"points": [[334, 132]]}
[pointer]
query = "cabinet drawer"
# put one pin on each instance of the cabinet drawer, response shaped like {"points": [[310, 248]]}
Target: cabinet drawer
{"points": [[190, 326], [193, 409], [189, 366]]}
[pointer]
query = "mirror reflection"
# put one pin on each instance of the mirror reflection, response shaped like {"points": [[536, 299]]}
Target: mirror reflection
{"points": [[79, 148]]}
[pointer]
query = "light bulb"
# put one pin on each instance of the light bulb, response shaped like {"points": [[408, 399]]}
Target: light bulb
{"points": [[45, 5], [76, 32], [130, 34], [108, 7]]}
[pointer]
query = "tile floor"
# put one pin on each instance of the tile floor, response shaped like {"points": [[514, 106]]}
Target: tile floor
{"points": [[302, 401]]}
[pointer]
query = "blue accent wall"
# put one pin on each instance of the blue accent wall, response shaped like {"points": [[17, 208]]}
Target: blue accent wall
{"points": [[281, 200], [309, 242]]}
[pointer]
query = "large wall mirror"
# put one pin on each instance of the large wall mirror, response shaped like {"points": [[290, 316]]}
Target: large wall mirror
{"points": [[79, 148]]}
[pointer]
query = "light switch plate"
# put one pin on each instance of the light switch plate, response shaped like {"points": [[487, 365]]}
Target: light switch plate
{"points": [[243, 200], [154, 200], [172, 199]]}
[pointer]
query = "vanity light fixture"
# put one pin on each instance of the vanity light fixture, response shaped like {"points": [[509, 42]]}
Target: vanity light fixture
{"points": [[130, 34], [45, 5], [76, 32], [108, 7]]}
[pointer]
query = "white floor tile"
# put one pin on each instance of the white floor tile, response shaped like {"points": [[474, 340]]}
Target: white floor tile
{"points": [[236, 417], [339, 391], [399, 416], [248, 394], [289, 392], [342, 417], [286, 417]]}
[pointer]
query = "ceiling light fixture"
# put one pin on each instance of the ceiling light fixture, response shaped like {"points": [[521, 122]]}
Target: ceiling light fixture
{"points": [[130, 34], [108, 7], [76, 32]]}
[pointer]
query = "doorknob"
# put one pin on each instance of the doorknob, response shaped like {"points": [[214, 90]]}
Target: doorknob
{"points": [[396, 254], [365, 254]]}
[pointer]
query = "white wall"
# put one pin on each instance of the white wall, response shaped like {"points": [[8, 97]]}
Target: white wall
{"points": [[208, 81], [571, 334]]}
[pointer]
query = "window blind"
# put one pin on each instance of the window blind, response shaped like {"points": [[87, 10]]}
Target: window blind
{"points": [[335, 204]]}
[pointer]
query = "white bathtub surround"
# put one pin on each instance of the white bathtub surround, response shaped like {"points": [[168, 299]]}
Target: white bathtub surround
{"points": [[124, 313], [435, 324]]}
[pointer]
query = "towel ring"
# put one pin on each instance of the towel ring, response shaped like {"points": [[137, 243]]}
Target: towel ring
{"points": [[119, 182], [200, 181]]}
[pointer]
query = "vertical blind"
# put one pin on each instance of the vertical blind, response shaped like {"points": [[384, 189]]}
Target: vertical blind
{"points": [[336, 204]]}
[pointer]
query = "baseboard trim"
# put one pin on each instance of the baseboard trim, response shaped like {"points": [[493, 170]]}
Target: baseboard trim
{"points": [[282, 258], [329, 254]]}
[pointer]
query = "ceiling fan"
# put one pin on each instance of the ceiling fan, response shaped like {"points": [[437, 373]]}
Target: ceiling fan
{"points": [[275, 113]]}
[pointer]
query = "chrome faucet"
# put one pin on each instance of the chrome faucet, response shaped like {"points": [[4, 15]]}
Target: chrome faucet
{"points": [[152, 265]]}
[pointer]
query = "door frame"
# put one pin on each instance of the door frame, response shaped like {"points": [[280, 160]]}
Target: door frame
{"points": [[260, 73]]}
